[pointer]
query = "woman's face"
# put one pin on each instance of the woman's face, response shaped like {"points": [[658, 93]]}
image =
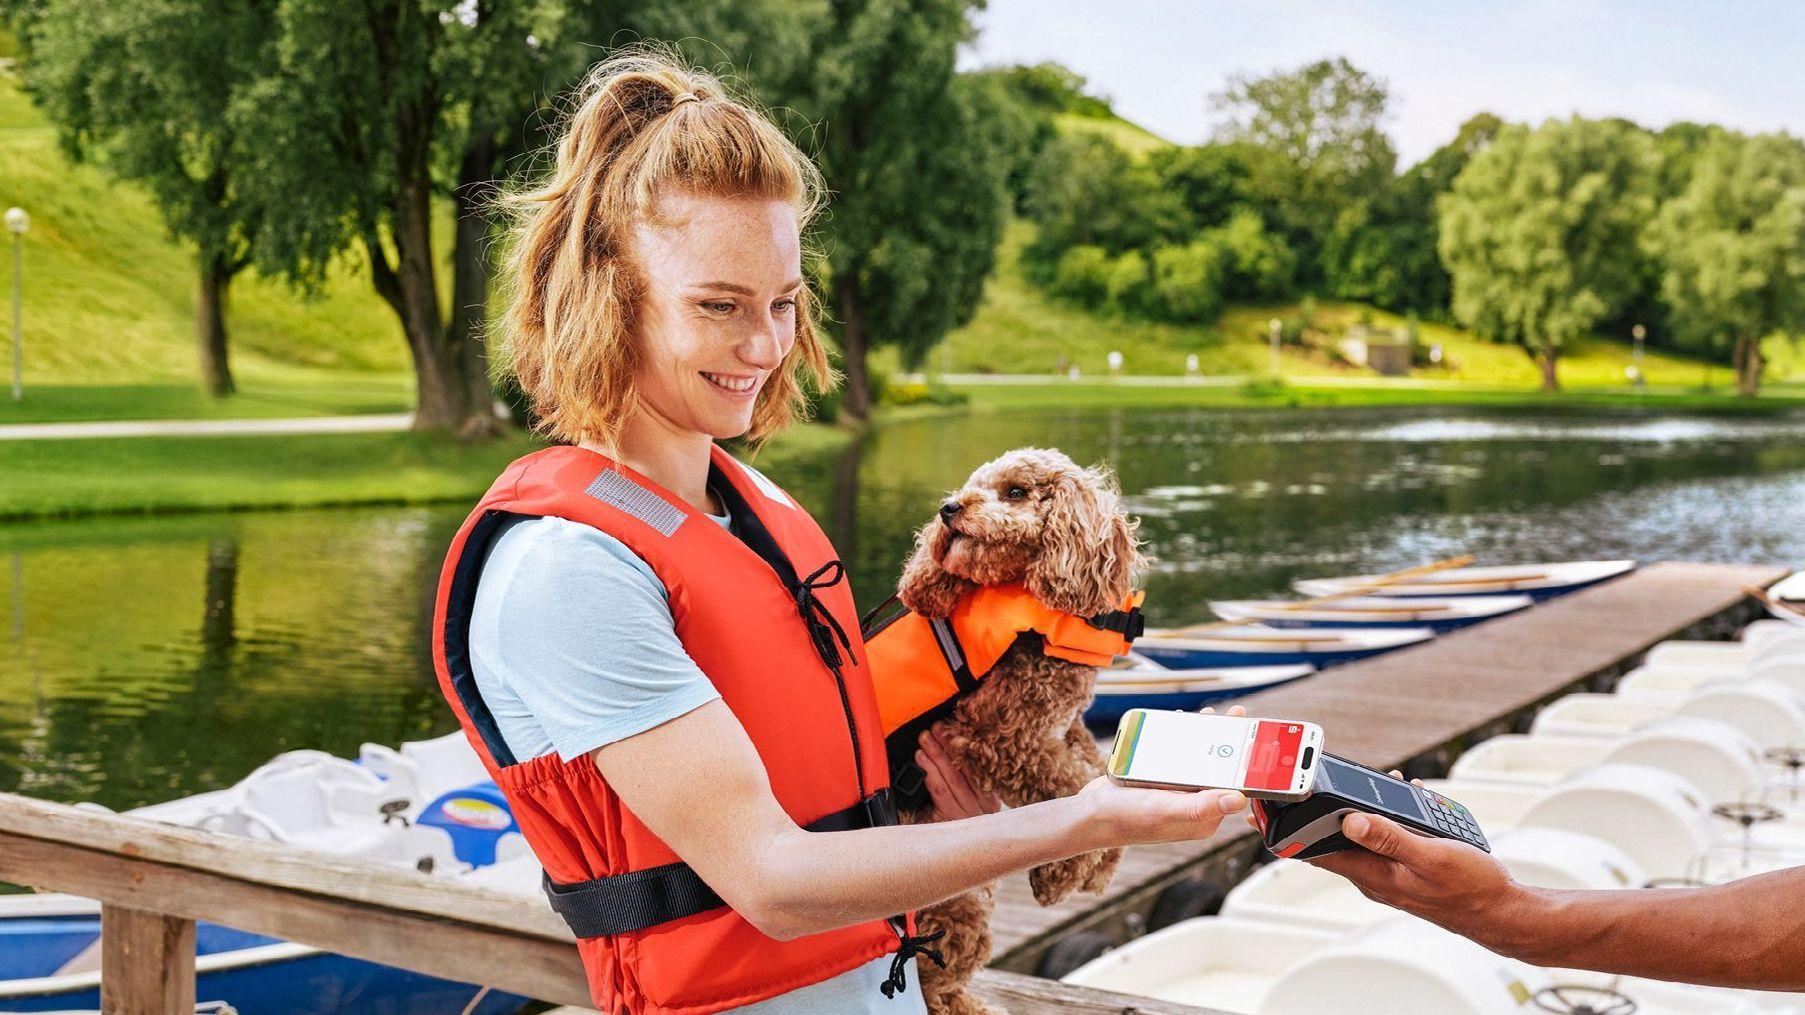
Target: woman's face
{"points": [[719, 315]]}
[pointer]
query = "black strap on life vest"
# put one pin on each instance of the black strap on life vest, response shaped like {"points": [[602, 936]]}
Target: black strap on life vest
{"points": [[622, 903], [1130, 623]]}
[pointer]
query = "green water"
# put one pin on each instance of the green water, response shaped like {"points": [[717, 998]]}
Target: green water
{"points": [[147, 658]]}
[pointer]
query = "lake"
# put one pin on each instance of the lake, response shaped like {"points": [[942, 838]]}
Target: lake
{"points": [[147, 658]]}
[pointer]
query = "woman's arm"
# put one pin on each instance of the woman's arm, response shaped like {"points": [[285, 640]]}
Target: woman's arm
{"points": [[1748, 933], [698, 784]]}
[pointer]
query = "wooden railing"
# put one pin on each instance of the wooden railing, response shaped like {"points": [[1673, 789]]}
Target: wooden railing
{"points": [[153, 881]]}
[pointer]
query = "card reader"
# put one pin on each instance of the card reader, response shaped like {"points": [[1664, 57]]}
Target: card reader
{"points": [[1312, 826]]}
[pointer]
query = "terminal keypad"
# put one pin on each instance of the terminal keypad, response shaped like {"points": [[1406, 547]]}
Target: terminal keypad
{"points": [[1451, 818]]}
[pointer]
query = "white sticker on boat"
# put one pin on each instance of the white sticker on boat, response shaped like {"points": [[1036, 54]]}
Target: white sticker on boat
{"points": [[474, 813]]}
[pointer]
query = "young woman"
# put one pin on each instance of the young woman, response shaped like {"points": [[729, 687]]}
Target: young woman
{"points": [[653, 646]]}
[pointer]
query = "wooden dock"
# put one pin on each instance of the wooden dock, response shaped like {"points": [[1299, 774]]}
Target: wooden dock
{"points": [[1415, 709]]}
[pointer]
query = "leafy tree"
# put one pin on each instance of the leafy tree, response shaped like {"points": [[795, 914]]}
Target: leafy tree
{"points": [[1539, 232], [1254, 264], [1130, 284], [1392, 260], [1083, 274], [1330, 157], [1211, 181], [1085, 189], [919, 172], [1189, 281], [130, 84], [1732, 246]]}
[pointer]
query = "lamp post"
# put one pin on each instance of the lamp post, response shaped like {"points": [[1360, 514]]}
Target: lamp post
{"points": [[1638, 333], [16, 223], [1276, 328]]}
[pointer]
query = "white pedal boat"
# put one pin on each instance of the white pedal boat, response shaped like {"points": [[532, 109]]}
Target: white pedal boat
{"points": [[1771, 714], [1438, 614], [1539, 581], [1402, 966]]}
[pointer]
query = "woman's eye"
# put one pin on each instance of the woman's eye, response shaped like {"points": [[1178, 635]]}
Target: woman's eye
{"points": [[1015, 493], [785, 305], [718, 306]]}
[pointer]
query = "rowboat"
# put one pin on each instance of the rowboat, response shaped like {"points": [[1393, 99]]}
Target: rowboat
{"points": [[1539, 581], [1262, 645], [1439, 614], [427, 806], [1139, 682]]}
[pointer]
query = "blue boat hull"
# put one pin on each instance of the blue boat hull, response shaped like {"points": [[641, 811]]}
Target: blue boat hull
{"points": [[1107, 709], [313, 984], [1213, 659]]}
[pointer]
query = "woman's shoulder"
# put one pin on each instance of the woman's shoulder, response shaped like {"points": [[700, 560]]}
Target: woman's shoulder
{"points": [[558, 552]]}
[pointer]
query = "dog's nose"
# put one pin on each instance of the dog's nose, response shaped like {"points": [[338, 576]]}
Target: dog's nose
{"points": [[949, 509]]}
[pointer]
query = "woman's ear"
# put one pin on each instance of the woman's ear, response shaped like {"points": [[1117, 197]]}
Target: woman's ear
{"points": [[1089, 552], [926, 587]]}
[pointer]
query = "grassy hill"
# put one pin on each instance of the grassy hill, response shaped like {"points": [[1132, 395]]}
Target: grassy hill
{"points": [[108, 302], [1131, 137], [1020, 329]]}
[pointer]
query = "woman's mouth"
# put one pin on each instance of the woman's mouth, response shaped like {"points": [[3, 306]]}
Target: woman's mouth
{"points": [[732, 384]]}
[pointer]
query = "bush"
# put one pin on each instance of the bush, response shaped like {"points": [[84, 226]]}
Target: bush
{"points": [[1083, 275], [1258, 264], [922, 393], [1131, 285], [1188, 281]]}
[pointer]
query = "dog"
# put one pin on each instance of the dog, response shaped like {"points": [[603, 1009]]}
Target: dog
{"points": [[1035, 518]]}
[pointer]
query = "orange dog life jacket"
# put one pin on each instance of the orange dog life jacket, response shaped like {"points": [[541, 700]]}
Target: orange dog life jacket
{"points": [[765, 614], [923, 666]]}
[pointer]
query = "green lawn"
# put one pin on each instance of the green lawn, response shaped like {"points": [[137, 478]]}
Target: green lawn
{"points": [[294, 391]]}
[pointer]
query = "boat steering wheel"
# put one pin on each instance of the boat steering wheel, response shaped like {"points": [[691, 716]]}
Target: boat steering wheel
{"points": [[1572, 999], [1747, 814]]}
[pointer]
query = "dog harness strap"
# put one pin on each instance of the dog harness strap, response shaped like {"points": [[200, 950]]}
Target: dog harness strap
{"points": [[646, 898], [953, 653]]}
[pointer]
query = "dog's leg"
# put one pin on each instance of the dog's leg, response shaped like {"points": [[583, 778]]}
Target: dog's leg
{"points": [[966, 947], [1089, 872]]}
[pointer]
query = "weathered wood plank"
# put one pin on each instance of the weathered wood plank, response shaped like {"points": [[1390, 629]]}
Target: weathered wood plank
{"points": [[146, 963], [1029, 995], [1387, 710]]}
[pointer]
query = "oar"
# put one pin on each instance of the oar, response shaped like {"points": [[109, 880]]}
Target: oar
{"points": [[1377, 581]]}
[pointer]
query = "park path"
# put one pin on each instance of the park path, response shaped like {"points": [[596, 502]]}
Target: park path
{"points": [[383, 423]]}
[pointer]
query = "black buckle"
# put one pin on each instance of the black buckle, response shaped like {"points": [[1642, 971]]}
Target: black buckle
{"points": [[1130, 624], [880, 808]]}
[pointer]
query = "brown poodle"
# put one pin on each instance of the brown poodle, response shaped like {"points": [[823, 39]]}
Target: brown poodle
{"points": [[1035, 518]]}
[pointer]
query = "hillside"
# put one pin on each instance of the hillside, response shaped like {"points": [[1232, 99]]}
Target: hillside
{"points": [[108, 294]]}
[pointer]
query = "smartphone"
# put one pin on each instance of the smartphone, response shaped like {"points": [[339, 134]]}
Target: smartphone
{"points": [[1312, 827], [1271, 759]]}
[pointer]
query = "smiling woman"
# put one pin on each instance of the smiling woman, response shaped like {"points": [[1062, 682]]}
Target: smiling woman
{"points": [[654, 649]]}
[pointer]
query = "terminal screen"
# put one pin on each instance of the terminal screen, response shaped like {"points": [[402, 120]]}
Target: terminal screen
{"points": [[1367, 786]]}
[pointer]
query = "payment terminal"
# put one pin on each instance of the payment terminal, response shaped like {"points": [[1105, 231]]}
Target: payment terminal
{"points": [[1312, 826]]}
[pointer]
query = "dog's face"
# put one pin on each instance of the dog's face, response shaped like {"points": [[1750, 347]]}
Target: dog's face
{"points": [[1032, 516]]}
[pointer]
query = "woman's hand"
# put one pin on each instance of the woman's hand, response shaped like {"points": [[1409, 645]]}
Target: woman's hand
{"points": [[952, 794]]}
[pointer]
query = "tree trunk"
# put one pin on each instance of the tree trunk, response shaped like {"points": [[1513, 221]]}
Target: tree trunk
{"points": [[469, 332], [210, 324], [1748, 366], [855, 403], [1549, 360]]}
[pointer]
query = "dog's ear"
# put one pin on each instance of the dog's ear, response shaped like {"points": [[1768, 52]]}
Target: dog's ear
{"points": [[1089, 551], [926, 587]]}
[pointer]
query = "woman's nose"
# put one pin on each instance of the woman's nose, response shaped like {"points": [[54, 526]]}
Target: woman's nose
{"points": [[765, 347]]}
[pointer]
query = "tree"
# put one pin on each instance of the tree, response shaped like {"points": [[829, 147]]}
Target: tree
{"points": [[913, 154], [376, 114], [1085, 189], [152, 88], [1731, 246], [1539, 232], [1331, 159]]}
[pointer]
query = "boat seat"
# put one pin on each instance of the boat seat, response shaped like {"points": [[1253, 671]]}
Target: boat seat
{"points": [[1404, 966], [1655, 817], [1220, 962], [1529, 759]]}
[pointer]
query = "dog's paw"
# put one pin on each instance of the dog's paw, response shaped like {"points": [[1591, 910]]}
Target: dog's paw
{"points": [[1052, 882], [1099, 877]]}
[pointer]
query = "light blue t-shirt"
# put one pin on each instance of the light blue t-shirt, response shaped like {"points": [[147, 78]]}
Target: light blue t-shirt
{"points": [[573, 648]]}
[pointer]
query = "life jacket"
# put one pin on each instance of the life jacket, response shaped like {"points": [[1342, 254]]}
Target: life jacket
{"points": [[765, 614], [922, 666]]}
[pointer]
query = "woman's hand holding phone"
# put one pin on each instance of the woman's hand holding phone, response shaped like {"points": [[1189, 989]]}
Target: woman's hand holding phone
{"points": [[1148, 816]]}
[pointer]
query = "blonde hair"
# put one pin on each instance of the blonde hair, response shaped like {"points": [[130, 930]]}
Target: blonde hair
{"points": [[642, 126]]}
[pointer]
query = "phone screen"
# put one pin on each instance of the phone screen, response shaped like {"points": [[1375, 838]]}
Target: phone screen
{"points": [[1229, 752], [1367, 786]]}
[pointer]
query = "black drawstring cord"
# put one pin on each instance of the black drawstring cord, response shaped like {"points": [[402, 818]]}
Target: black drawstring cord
{"points": [[909, 948], [822, 626]]}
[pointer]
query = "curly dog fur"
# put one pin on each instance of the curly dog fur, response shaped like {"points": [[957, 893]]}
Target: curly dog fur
{"points": [[1031, 516]]}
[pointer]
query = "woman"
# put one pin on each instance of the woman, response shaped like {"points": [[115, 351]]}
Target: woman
{"points": [[652, 646]]}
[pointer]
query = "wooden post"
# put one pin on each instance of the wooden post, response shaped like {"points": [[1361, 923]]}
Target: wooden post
{"points": [[146, 963]]}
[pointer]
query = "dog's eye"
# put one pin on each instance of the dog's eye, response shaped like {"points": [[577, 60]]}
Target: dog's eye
{"points": [[1015, 493]]}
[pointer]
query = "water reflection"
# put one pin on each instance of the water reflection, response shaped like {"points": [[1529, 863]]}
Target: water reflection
{"points": [[151, 657]]}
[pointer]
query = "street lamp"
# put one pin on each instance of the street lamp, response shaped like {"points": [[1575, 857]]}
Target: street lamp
{"points": [[1276, 327], [1638, 333], [16, 223]]}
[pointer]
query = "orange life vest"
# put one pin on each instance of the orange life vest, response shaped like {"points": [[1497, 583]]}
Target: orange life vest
{"points": [[768, 618], [923, 666]]}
